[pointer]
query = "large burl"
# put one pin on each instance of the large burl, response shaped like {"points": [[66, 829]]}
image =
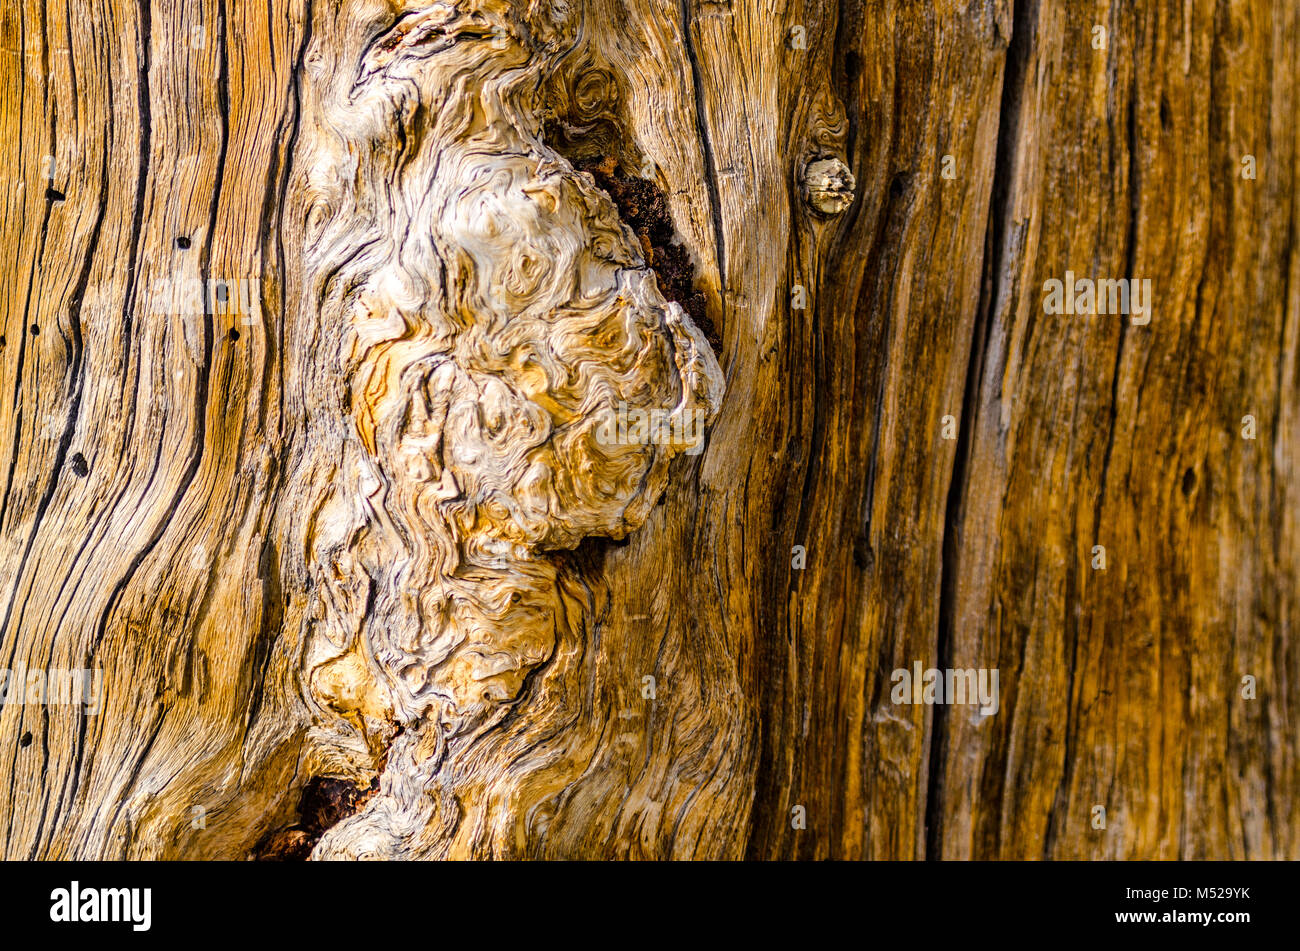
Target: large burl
{"points": [[481, 315]]}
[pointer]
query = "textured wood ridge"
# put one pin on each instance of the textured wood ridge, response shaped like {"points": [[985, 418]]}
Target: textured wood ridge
{"points": [[324, 321]]}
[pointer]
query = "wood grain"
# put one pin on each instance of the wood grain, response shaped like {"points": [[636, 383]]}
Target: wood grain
{"points": [[161, 469]]}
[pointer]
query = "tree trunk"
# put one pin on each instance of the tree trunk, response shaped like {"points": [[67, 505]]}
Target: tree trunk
{"points": [[356, 358]]}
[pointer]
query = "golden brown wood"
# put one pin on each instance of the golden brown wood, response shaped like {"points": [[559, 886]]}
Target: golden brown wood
{"points": [[342, 603]]}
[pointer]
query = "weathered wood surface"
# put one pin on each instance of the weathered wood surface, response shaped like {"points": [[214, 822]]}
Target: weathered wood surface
{"points": [[163, 474]]}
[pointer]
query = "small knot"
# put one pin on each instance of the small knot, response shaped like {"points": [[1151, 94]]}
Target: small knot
{"points": [[828, 185]]}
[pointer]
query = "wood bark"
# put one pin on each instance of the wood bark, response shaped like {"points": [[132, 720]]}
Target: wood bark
{"points": [[313, 311]]}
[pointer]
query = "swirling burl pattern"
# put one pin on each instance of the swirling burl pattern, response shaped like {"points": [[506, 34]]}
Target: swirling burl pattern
{"points": [[488, 316]]}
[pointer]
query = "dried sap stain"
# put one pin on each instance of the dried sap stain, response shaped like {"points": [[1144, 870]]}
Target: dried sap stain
{"points": [[644, 209], [326, 801]]}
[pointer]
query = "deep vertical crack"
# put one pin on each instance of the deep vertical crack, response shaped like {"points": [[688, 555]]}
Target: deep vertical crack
{"points": [[1017, 60]]}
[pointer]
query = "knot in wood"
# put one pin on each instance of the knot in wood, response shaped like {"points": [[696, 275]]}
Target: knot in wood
{"points": [[828, 185]]}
